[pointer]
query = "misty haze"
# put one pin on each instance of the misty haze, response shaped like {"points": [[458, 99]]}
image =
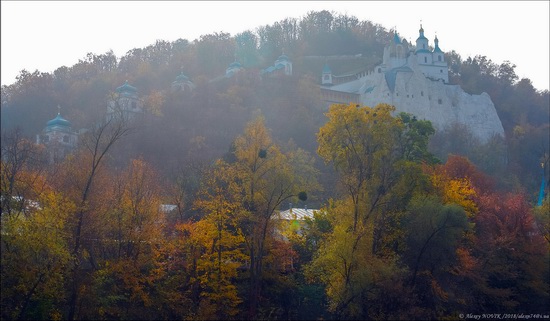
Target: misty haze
{"points": [[315, 168]]}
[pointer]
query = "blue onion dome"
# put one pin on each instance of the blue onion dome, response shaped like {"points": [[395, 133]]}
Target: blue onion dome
{"points": [[437, 49], [326, 69], [396, 38], [421, 32], [126, 88], [182, 78], [283, 57], [59, 122], [235, 64]]}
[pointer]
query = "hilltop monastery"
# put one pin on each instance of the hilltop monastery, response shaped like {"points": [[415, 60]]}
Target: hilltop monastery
{"points": [[415, 80]]}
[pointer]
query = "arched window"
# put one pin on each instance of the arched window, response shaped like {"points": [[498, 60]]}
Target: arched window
{"points": [[425, 60], [134, 105], [66, 139], [439, 57]]}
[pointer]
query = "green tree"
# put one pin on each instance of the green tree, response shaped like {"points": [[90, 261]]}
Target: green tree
{"points": [[359, 261], [433, 233]]}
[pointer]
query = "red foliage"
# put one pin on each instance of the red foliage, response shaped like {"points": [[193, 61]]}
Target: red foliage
{"points": [[506, 221], [460, 167]]}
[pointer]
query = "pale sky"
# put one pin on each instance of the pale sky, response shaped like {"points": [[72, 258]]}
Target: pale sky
{"points": [[46, 35]]}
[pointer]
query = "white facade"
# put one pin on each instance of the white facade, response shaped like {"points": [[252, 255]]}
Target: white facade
{"points": [[59, 138], [182, 83], [126, 104], [283, 65], [233, 68], [326, 77]]}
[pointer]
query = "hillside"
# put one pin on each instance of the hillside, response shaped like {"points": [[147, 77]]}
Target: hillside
{"points": [[168, 204]]}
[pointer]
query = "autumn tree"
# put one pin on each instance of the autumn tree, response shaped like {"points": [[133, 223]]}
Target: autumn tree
{"points": [[78, 180], [221, 240], [35, 255], [127, 247], [513, 257], [263, 178], [268, 181], [365, 146], [374, 154], [542, 216], [20, 168]]}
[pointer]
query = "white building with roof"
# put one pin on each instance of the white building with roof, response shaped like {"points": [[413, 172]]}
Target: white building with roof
{"points": [[233, 69], [126, 103], [293, 214], [415, 79], [281, 66], [182, 83], [58, 137]]}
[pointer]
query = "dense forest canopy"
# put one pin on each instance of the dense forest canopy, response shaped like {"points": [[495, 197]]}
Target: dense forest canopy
{"points": [[412, 223]]}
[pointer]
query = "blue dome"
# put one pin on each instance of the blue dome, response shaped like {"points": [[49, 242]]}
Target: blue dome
{"points": [[396, 38], [126, 88], [421, 34], [58, 121], [326, 69], [436, 49], [235, 65], [182, 78], [283, 57]]}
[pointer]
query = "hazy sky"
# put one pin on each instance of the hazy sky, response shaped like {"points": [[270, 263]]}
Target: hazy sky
{"points": [[45, 35]]}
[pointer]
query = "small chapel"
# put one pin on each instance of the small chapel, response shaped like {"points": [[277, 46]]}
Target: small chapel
{"points": [[58, 137], [125, 104]]}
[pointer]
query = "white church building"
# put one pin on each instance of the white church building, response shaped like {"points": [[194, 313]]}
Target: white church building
{"points": [[415, 79]]}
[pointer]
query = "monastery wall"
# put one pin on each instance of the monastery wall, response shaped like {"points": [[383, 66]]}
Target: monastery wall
{"points": [[435, 101]]}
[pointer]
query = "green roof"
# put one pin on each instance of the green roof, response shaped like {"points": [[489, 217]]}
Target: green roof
{"points": [[58, 121], [283, 57], [235, 65], [182, 78], [396, 38], [126, 88]]}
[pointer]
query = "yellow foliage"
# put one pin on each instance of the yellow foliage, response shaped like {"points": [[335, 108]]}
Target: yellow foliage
{"points": [[35, 252], [457, 191], [154, 102]]}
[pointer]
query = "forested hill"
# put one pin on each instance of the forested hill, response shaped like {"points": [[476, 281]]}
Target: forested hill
{"points": [[291, 106], [179, 212]]}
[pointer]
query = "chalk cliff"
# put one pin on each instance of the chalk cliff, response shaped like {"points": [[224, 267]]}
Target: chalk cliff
{"points": [[415, 80]]}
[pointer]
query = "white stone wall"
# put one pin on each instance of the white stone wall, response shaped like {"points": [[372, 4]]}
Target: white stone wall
{"points": [[440, 103]]}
